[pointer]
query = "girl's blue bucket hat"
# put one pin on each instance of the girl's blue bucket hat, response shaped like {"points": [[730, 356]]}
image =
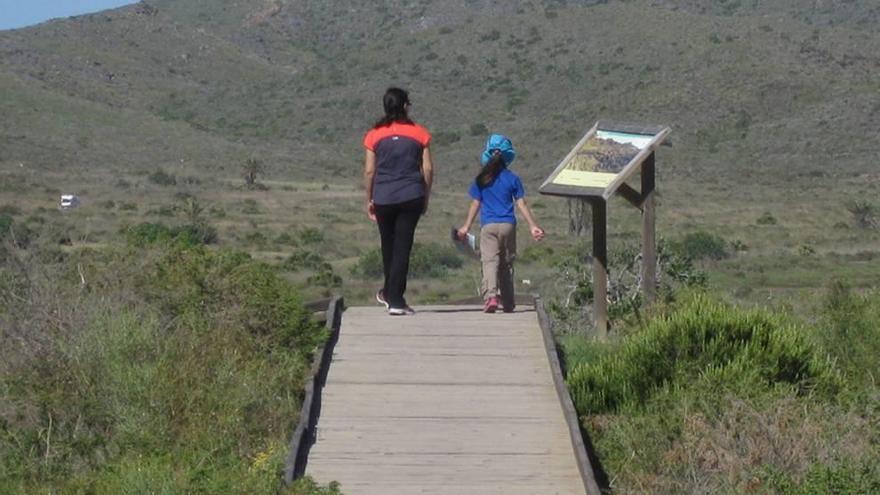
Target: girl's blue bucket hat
{"points": [[501, 143]]}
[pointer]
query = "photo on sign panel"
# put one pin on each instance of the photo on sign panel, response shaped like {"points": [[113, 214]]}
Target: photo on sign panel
{"points": [[601, 158]]}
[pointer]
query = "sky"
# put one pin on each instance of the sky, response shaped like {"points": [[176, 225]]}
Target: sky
{"points": [[21, 13]]}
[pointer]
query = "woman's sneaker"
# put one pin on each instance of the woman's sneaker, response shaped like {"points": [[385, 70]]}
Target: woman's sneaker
{"points": [[380, 297], [406, 310], [491, 305]]}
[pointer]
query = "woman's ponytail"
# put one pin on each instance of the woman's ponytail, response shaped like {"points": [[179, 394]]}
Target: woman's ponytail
{"points": [[395, 102], [491, 171]]}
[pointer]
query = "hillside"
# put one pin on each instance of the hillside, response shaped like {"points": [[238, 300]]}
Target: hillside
{"points": [[745, 92]]}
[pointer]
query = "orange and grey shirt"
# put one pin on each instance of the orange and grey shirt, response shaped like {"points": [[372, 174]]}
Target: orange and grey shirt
{"points": [[398, 149]]}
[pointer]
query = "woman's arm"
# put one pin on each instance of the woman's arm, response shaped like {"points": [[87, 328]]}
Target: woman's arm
{"points": [[369, 178], [537, 232], [471, 215], [427, 173]]}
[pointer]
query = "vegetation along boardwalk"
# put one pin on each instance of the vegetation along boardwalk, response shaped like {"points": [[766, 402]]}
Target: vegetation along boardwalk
{"points": [[448, 401]]}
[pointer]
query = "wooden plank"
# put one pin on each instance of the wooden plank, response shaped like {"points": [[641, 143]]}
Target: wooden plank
{"points": [[304, 434], [448, 401], [399, 401], [585, 467], [631, 195]]}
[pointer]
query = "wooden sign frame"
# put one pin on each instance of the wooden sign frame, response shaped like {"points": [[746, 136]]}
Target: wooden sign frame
{"points": [[598, 197], [659, 134]]}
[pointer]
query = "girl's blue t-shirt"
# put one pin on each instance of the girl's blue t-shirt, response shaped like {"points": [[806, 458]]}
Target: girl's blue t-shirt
{"points": [[497, 198]]}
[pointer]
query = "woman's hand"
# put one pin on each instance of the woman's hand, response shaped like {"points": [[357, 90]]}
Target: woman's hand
{"points": [[462, 232], [371, 210], [537, 232]]}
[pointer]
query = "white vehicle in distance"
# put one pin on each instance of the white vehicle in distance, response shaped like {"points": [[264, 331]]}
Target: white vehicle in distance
{"points": [[69, 201]]}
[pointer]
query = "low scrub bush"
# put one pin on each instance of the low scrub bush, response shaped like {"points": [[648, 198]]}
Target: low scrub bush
{"points": [[710, 398], [702, 245], [766, 218], [311, 235], [571, 301], [426, 261], [849, 331], [303, 260], [162, 178], [144, 234], [702, 339], [176, 370], [9, 210]]}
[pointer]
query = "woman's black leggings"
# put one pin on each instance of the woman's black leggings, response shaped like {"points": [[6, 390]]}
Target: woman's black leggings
{"points": [[397, 227]]}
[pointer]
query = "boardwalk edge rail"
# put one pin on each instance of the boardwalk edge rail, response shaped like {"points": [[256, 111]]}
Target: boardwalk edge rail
{"points": [[304, 435], [571, 417]]}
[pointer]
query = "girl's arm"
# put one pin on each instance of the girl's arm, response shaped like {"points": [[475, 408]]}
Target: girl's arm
{"points": [[427, 174], [471, 215], [369, 177], [537, 232]]}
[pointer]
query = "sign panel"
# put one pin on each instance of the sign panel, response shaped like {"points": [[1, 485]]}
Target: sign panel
{"points": [[603, 159]]}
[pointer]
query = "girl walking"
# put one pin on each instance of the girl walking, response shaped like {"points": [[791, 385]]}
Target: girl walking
{"points": [[398, 173], [494, 193]]}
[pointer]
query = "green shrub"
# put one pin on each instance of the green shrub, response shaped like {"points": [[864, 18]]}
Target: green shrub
{"points": [[369, 265], [536, 253], [311, 235], [162, 178], [850, 477], [425, 261], [171, 358], [286, 239], [307, 486], [6, 222], [303, 260], [702, 339], [144, 234], [325, 277], [702, 245], [250, 207], [766, 218], [9, 210], [850, 332], [571, 299]]}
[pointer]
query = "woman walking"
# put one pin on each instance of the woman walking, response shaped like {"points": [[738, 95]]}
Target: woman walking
{"points": [[397, 177]]}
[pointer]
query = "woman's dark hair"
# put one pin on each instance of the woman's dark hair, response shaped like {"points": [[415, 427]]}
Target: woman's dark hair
{"points": [[491, 170], [395, 102]]}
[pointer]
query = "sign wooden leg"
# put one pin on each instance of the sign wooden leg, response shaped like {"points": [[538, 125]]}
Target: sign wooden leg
{"points": [[600, 268], [649, 240]]}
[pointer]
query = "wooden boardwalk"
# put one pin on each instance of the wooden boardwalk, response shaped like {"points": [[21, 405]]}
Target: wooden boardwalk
{"points": [[448, 401]]}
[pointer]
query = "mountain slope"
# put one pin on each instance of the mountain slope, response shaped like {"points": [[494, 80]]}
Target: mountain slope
{"points": [[750, 88]]}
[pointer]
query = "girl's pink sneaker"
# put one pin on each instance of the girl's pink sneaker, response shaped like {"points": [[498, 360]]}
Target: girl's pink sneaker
{"points": [[491, 305]]}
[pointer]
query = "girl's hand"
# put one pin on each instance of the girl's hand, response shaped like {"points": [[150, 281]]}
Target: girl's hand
{"points": [[371, 210], [462, 232], [537, 232]]}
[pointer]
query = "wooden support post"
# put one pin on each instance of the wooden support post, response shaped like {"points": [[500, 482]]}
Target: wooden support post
{"points": [[600, 268], [649, 240]]}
